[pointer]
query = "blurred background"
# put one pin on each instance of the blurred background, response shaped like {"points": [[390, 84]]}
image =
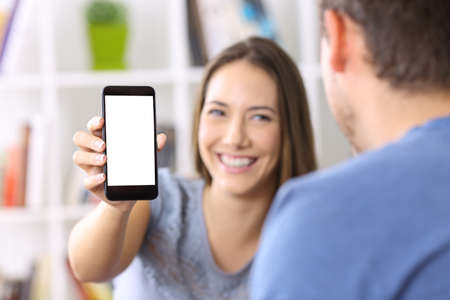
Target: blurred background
{"points": [[56, 56]]}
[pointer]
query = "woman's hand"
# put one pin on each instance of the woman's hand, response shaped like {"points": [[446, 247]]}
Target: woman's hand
{"points": [[91, 158]]}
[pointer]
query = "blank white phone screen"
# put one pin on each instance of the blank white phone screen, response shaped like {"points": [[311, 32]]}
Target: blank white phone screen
{"points": [[130, 140]]}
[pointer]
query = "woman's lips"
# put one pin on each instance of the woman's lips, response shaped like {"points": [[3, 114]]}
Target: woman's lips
{"points": [[236, 163]]}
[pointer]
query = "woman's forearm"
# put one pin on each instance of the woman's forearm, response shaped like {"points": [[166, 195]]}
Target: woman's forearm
{"points": [[96, 243]]}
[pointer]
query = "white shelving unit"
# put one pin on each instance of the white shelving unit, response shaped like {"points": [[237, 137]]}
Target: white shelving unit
{"points": [[68, 94]]}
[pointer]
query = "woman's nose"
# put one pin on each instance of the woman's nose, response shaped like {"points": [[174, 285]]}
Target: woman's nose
{"points": [[235, 133]]}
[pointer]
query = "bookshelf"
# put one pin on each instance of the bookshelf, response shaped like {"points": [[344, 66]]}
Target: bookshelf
{"points": [[54, 80]]}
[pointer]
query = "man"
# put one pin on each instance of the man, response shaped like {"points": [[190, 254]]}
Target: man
{"points": [[378, 226]]}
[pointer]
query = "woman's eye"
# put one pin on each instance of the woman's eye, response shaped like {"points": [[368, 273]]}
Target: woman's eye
{"points": [[216, 112], [261, 118]]}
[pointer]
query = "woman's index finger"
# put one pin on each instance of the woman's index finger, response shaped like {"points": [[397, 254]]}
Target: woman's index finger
{"points": [[95, 124]]}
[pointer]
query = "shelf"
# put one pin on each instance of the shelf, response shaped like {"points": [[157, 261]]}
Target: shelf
{"points": [[129, 77], [20, 82], [73, 213], [86, 79], [22, 215], [101, 78]]}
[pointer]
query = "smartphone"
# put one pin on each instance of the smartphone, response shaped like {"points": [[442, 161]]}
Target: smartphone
{"points": [[130, 136]]}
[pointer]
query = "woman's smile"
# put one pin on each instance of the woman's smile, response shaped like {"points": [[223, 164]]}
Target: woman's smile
{"points": [[236, 163]]}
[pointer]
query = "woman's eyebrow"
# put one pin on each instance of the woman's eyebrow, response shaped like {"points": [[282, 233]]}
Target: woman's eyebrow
{"points": [[216, 102], [262, 107], [251, 108]]}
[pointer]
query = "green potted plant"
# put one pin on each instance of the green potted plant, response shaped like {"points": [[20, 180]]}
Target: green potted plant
{"points": [[108, 30]]}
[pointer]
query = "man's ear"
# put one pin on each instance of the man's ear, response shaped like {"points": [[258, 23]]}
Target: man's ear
{"points": [[335, 29]]}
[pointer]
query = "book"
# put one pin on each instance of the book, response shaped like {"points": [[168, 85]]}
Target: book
{"points": [[4, 16], [98, 291], [40, 283], [224, 23], [36, 157], [10, 181], [8, 10], [14, 184], [2, 173], [7, 15], [22, 165], [75, 192], [166, 157], [10, 289], [25, 291], [195, 35], [23, 169], [81, 292], [89, 290], [18, 35]]}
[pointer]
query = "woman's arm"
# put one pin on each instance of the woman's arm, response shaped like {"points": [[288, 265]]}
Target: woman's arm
{"points": [[103, 243]]}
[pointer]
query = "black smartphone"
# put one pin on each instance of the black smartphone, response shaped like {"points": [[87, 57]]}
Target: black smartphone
{"points": [[130, 136]]}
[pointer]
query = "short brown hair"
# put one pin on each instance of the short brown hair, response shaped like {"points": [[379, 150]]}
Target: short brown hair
{"points": [[408, 40], [297, 142]]}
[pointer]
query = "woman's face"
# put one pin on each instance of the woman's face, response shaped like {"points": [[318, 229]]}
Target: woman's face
{"points": [[239, 132]]}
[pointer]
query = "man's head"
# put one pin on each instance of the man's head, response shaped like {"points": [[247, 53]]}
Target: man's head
{"points": [[403, 44]]}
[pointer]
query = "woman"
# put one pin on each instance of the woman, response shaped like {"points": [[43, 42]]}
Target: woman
{"points": [[251, 133]]}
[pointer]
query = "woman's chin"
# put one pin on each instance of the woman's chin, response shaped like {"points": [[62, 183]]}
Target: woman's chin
{"points": [[235, 187]]}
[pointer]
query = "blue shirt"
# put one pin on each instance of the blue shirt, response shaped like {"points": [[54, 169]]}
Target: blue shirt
{"points": [[377, 227]]}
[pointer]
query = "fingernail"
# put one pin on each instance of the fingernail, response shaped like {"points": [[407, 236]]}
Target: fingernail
{"points": [[100, 177], [93, 122], [100, 157], [99, 144]]}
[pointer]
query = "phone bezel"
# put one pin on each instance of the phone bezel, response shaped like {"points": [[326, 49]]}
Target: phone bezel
{"points": [[129, 192]]}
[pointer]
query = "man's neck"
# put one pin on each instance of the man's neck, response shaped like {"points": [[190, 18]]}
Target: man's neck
{"points": [[392, 116]]}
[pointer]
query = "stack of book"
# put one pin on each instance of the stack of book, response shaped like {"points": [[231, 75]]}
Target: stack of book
{"points": [[15, 21], [36, 286], [89, 290], [214, 25], [22, 166]]}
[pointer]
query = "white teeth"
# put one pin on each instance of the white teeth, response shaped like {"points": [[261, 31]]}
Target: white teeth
{"points": [[236, 162]]}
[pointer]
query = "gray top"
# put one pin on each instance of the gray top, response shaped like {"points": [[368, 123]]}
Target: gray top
{"points": [[175, 260]]}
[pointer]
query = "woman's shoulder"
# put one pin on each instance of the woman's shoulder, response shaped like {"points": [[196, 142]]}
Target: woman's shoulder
{"points": [[174, 185], [177, 196]]}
